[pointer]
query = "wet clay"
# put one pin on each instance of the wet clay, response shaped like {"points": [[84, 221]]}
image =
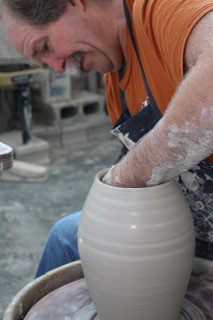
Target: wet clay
{"points": [[70, 302], [136, 247]]}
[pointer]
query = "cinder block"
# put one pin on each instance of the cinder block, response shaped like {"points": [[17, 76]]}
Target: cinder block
{"points": [[92, 103], [80, 109], [36, 151], [65, 113]]}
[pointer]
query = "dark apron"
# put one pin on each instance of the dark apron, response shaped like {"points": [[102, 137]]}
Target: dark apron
{"points": [[197, 183]]}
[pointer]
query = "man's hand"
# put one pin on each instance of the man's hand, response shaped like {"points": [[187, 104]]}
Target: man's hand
{"points": [[119, 176]]}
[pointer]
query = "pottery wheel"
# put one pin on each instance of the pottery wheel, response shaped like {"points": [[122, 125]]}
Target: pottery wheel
{"points": [[73, 302], [70, 302]]}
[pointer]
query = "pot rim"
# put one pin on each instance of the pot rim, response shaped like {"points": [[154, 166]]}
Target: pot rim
{"points": [[100, 174]]}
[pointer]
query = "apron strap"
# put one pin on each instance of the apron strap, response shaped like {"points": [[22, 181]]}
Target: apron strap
{"points": [[148, 91], [124, 107]]}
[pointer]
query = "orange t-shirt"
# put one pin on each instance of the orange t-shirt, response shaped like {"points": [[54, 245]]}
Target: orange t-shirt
{"points": [[161, 28]]}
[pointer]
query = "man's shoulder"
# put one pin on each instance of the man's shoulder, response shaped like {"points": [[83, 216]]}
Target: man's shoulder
{"points": [[167, 23], [152, 10]]}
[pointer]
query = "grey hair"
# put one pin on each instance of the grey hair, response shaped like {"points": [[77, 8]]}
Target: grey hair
{"points": [[37, 12]]}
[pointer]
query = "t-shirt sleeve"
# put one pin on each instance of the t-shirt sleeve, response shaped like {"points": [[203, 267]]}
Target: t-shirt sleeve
{"points": [[168, 24]]}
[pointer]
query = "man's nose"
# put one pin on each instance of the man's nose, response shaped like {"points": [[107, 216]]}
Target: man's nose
{"points": [[58, 64]]}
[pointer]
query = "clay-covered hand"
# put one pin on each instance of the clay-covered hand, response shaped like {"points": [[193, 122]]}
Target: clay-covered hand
{"points": [[120, 175], [168, 150]]}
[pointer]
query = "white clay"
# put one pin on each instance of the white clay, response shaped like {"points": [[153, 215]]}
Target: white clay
{"points": [[136, 248]]}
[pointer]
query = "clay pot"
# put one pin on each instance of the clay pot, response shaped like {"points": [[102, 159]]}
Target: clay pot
{"points": [[136, 248]]}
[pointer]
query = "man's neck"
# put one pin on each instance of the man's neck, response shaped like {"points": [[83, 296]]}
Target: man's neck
{"points": [[120, 24]]}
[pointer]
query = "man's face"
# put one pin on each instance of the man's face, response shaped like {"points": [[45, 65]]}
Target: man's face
{"points": [[79, 39]]}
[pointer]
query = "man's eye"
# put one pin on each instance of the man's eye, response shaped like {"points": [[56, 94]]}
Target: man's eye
{"points": [[45, 47]]}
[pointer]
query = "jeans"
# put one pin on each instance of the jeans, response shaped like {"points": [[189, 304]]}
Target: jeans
{"points": [[62, 244]]}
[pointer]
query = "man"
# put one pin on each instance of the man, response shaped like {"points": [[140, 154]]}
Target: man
{"points": [[157, 60]]}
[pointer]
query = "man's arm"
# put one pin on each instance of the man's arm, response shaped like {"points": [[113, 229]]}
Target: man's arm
{"points": [[184, 136]]}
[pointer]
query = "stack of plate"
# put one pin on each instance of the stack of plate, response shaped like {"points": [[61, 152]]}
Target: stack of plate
{"points": [[6, 156]]}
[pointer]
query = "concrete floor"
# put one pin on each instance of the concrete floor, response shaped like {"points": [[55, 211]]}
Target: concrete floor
{"points": [[27, 211]]}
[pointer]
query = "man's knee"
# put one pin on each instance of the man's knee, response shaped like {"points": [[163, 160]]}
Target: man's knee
{"points": [[61, 246], [65, 230], [62, 243]]}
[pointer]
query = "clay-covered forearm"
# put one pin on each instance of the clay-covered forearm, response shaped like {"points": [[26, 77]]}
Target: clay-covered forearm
{"points": [[179, 148], [181, 139]]}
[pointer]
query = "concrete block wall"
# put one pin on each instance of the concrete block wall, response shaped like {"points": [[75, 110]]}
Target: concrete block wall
{"points": [[76, 123], [80, 121], [79, 109]]}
